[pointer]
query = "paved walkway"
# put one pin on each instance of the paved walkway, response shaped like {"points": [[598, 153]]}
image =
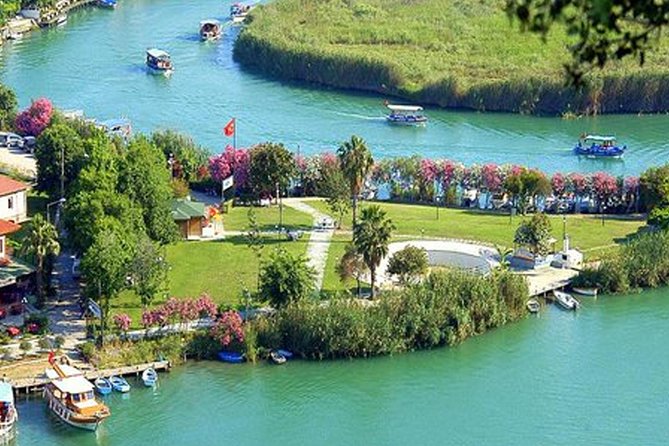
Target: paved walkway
{"points": [[319, 242], [64, 310]]}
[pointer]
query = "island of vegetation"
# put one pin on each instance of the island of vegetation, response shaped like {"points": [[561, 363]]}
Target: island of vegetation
{"points": [[460, 54]]}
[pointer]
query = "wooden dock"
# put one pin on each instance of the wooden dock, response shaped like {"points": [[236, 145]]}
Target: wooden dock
{"points": [[30, 385], [542, 281]]}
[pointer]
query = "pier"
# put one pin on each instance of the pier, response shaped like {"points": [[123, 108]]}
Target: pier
{"points": [[52, 16], [27, 386], [542, 281]]}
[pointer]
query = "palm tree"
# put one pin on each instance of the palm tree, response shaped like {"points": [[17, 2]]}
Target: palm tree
{"points": [[356, 161], [40, 242], [371, 238]]}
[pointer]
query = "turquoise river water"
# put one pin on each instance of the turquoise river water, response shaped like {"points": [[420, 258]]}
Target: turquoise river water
{"points": [[593, 378], [95, 63]]}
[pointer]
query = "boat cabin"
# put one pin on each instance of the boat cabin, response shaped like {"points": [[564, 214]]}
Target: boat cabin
{"points": [[596, 140], [406, 114], [8, 415], [159, 60], [239, 11], [210, 29], [599, 146]]}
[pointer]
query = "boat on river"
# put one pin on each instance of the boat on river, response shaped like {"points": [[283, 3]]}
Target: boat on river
{"points": [[159, 62], [566, 300], [596, 146], [533, 306], [103, 386], [239, 11], [70, 397], [8, 414], [231, 357], [277, 358], [210, 29], [119, 384], [116, 127], [586, 291], [406, 115], [149, 377], [109, 4]]}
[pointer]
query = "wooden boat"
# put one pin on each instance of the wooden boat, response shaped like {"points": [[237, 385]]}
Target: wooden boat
{"points": [[595, 146], [210, 29], [8, 414], [231, 357], [159, 62], [586, 291], [277, 358], [533, 306], [70, 397], [411, 115], [149, 377], [285, 353], [103, 386], [120, 384], [566, 300], [239, 11]]}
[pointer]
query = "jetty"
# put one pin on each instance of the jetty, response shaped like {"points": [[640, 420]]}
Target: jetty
{"points": [[27, 386], [542, 281]]}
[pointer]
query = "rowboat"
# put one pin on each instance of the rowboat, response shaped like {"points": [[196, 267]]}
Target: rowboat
{"points": [[586, 291], [595, 146], [120, 384], [533, 306], [277, 358], [8, 414], [231, 357], [566, 300], [71, 398], [406, 115], [210, 29], [103, 386], [159, 62], [149, 377]]}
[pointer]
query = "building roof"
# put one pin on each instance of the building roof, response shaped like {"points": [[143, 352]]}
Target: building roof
{"points": [[6, 394], [185, 210], [73, 385], [10, 273], [7, 227], [9, 186]]}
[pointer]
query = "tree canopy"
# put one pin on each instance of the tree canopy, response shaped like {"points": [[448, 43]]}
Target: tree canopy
{"points": [[285, 278], [371, 237], [535, 234], [272, 165], [356, 163], [408, 264]]}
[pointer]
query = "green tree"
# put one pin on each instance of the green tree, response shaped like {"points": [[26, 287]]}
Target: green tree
{"points": [[58, 147], [254, 239], [272, 166], [356, 162], [525, 186], [352, 266], [333, 186], [8, 107], [602, 31], [148, 270], [408, 264], [105, 267], [40, 242], [654, 186], [145, 178], [535, 234], [186, 156], [285, 278], [371, 237]]}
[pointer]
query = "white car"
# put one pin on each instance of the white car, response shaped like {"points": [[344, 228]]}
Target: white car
{"points": [[8, 139]]}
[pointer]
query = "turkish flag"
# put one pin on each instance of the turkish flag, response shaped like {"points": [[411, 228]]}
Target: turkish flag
{"points": [[229, 128]]}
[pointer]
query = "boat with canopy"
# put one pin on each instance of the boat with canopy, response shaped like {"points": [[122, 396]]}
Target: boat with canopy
{"points": [[8, 414], [159, 61], [596, 146], [210, 29], [406, 115], [239, 11]]}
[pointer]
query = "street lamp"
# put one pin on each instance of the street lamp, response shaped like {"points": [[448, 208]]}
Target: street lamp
{"points": [[62, 173], [60, 201]]}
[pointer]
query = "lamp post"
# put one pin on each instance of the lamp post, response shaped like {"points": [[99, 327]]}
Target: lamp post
{"points": [[60, 201], [62, 173]]}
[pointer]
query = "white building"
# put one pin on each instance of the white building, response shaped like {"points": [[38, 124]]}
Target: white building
{"points": [[13, 200]]}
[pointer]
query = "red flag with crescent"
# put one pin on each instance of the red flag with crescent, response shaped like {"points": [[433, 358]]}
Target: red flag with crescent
{"points": [[229, 128]]}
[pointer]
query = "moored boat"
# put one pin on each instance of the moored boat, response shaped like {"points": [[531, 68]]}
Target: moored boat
{"points": [[210, 29], [239, 11], [70, 397], [566, 300], [159, 62], [110, 4], [595, 146], [277, 358], [119, 384], [116, 127], [149, 377], [103, 386], [8, 414], [61, 20], [406, 115], [285, 353], [231, 357], [533, 306], [586, 291]]}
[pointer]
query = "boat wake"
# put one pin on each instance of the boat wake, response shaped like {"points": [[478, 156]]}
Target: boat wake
{"points": [[366, 118]]}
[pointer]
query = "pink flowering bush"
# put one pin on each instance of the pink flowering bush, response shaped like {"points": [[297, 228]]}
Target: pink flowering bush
{"points": [[578, 183], [122, 322], [604, 185], [558, 184], [228, 330], [491, 177], [231, 162], [206, 307], [35, 118], [180, 311]]}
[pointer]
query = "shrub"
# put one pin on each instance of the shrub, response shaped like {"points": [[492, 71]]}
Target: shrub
{"points": [[228, 330], [88, 350], [44, 343], [59, 341], [5, 338], [36, 323], [26, 345], [408, 264], [35, 118], [285, 278]]}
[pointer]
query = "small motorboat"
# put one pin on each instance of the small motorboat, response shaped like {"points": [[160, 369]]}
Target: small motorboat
{"points": [[586, 291], [285, 353], [8, 414], [120, 384], [566, 300], [159, 62], [210, 29], [103, 386], [149, 377], [533, 306], [406, 115], [61, 20], [231, 357], [595, 146], [239, 11], [277, 358]]}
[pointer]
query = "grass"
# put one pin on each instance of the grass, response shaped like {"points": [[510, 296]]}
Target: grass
{"points": [[267, 217], [458, 53], [219, 268]]}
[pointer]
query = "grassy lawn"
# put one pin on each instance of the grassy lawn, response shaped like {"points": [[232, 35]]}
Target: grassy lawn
{"points": [[586, 231], [268, 218], [331, 282], [219, 268]]}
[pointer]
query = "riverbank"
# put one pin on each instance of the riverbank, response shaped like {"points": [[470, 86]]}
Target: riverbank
{"points": [[461, 54]]}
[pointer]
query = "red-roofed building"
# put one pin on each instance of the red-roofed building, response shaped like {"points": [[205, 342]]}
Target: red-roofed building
{"points": [[15, 276], [13, 200]]}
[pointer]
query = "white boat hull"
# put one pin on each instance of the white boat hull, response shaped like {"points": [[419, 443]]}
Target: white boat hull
{"points": [[586, 291], [8, 428], [566, 301], [65, 414]]}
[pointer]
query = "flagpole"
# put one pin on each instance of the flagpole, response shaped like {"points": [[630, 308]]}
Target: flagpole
{"points": [[234, 134]]}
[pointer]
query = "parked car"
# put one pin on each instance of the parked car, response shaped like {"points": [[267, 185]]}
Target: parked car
{"points": [[29, 143], [8, 139]]}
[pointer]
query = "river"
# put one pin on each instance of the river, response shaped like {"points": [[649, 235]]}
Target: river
{"points": [[592, 378], [95, 63]]}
